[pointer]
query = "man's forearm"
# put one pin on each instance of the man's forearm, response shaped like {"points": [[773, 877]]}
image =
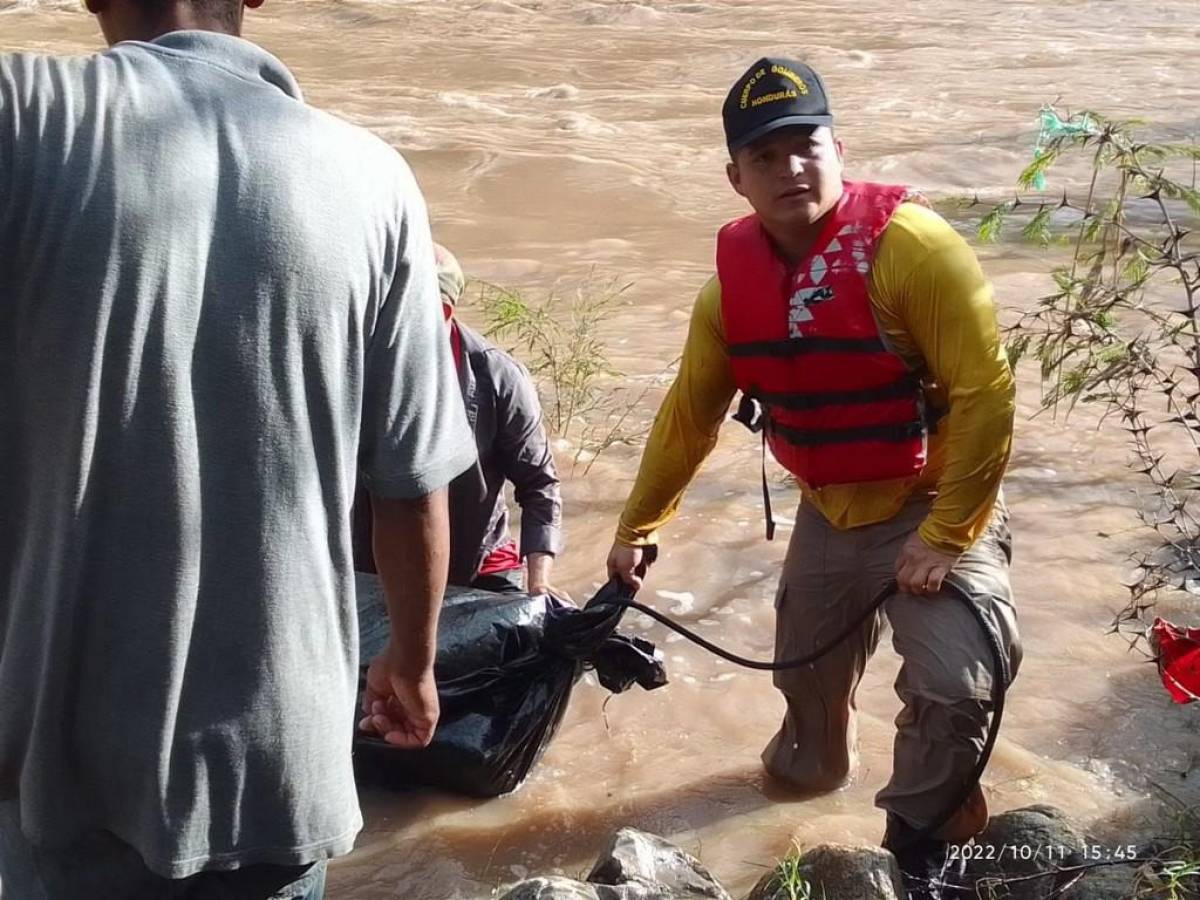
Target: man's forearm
{"points": [[412, 553], [979, 442], [541, 515], [674, 453], [685, 429], [539, 565]]}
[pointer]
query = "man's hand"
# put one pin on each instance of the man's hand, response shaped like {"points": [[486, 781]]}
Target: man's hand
{"points": [[398, 705], [412, 546], [920, 570], [539, 566], [624, 562]]}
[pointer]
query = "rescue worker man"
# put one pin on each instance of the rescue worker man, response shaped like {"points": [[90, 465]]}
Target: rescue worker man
{"points": [[853, 315], [505, 416]]}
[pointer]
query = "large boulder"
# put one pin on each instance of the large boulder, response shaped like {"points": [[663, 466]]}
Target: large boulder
{"points": [[836, 872], [634, 857], [567, 889], [1030, 844]]}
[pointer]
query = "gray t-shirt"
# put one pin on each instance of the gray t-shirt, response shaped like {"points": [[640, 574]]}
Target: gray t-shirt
{"points": [[215, 303]]}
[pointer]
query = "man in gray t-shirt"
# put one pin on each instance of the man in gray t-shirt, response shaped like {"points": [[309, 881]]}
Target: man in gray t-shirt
{"points": [[216, 306]]}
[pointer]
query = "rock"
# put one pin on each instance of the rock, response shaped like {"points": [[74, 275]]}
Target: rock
{"points": [[1107, 883], [550, 889], [1023, 842], [839, 872], [567, 889], [634, 857]]}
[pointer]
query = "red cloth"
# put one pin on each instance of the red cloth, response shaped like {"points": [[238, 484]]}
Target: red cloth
{"points": [[1178, 659], [456, 344], [504, 558]]}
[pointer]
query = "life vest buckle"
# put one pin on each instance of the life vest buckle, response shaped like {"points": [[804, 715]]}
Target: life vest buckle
{"points": [[750, 414]]}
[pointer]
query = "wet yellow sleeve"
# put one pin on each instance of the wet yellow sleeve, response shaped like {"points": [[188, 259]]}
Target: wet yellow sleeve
{"points": [[685, 430], [934, 304]]}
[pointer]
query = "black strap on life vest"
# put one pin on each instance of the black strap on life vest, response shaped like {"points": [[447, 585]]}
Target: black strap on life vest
{"points": [[750, 413], [802, 437], [767, 491], [802, 346], [904, 387]]}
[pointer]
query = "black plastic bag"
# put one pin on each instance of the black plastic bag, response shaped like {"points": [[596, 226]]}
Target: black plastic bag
{"points": [[506, 664]]}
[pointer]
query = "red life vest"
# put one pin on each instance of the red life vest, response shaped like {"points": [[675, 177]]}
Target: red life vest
{"points": [[839, 407]]}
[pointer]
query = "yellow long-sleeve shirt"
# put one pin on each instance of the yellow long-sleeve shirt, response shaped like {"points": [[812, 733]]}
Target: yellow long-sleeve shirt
{"points": [[935, 308]]}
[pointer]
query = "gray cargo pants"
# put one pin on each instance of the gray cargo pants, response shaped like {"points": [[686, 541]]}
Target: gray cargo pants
{"points": [[945, 682]]}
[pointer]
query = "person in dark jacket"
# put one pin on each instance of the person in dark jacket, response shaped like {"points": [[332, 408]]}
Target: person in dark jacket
{"points": [[504, 413]]}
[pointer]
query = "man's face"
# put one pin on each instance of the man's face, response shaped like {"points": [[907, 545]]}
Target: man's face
{"points": [[792, 176]]}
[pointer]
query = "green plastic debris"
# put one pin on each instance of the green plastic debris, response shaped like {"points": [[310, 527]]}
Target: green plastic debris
{"points": [[1054, 126]]}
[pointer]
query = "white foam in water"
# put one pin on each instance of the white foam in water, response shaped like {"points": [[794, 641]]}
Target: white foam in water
{"points": [[554, 92], [685, 601], [14, 5], [582, 123], [471, 101], [500, 6], [630, 15]]}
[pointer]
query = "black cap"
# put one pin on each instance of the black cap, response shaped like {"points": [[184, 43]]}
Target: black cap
{"points": [[774, 93]]}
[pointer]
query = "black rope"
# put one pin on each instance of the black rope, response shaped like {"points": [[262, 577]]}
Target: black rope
{"points": [[1000, 676]]}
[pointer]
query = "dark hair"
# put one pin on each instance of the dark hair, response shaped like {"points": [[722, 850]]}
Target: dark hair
{"points": [[223, 11]]}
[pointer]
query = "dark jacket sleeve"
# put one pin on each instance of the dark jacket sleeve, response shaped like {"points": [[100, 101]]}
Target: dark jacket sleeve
{"points": [[523, 450]]}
